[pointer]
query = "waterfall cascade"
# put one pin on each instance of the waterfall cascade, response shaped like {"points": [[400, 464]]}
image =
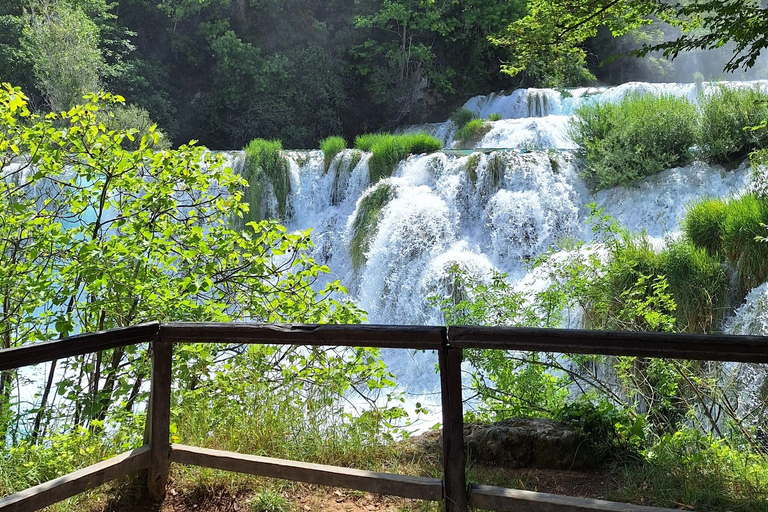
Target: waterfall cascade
{"points": [[515, 196]]}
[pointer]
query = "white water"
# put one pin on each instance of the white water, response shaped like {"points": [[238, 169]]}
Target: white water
{"points": [[527, 198]]}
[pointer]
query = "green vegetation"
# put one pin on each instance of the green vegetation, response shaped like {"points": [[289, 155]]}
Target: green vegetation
{"points": [[724, 126], [366, 221], [388, 150], [494, 117], [170, 254], [741, 227], [472, 132], [265, 163], [702, 471], [703, 224], [331, 147], [641, 136], [732, 229], [461, 117]]}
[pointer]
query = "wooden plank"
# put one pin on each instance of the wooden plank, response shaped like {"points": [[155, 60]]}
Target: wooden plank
{"points": [[73, 484], [383, 336], [453, 430], [158, 423], [77, 345], [380, 483], [488, 497], [708, 347]]}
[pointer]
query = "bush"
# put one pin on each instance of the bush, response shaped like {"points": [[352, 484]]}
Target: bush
{"points": [[740, 229], [264, 160], [641, 136], [494, 117], [388, 150], [366, 221], [331, 147], [726, 116], [472, 132], [703, 225], [680, 288], [461, 117]]}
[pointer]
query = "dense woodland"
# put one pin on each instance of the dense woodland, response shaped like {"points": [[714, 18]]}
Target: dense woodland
{"points": [[227, 71]]}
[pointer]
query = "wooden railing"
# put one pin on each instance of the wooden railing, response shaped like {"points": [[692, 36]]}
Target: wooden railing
{"points": [[157, 452]]}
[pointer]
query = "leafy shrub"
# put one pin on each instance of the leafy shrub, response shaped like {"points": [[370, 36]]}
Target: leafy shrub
{"points": [[740, 229], [641, 136], [697, 471], [461, 117], [264, 160], [614, 432], [331, 147], [388, 150], [726, 116], [472, 132], [494, 117], [703, 224], [681, 288], [366, 221]]}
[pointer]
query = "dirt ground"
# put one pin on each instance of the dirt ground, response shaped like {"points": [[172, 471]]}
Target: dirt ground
{"points": [[310, 498]]}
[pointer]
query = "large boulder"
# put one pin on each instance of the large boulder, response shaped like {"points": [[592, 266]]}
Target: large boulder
{"points": [[528, 442]]}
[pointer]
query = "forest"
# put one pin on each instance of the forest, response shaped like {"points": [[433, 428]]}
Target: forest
{"points": [[225, 72], [115, 212]]}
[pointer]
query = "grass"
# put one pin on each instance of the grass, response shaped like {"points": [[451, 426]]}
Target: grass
{"points": [[693, 471], [494, 117], [331, 147], [471, 133], [728, 229], [264, 160], [726, 115], [703, 224], [388, 150], [698, 285], [366, 221], [461, 117], [740, 227], [694, 279], [639, 137]]}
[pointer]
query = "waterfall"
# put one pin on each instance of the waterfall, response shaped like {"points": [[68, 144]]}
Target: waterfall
{"points": [[516, 196]]}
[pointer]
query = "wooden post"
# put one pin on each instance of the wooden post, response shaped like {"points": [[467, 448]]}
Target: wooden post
{"points": [[454, 478], [159, 418]]}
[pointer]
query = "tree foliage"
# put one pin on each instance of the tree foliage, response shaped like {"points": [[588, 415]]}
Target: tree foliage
{"points": [[96, 236]]}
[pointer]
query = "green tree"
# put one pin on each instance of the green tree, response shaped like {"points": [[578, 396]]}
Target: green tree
{"points": [[96, 236], [63, 45]]}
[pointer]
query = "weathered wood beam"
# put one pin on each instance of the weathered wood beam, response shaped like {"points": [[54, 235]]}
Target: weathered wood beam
{"points": [[707, 347], [488, 497], [382, 336], [381, 483], [64, 487], [77, 345]]}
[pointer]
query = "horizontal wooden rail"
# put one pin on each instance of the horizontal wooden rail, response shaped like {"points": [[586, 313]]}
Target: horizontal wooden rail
{"points": [[708, 347], [381, 336], [73, 484], [77, 345], [368, 481], [488, 497]]}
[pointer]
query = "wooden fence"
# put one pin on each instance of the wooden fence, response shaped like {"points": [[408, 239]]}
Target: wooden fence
{"points": [[157, 452]]}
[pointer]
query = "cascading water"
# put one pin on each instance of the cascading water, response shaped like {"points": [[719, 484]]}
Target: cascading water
{"points": [[515, 197]]}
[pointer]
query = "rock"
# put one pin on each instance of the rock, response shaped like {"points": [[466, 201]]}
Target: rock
{"points": [[528, 442]]}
